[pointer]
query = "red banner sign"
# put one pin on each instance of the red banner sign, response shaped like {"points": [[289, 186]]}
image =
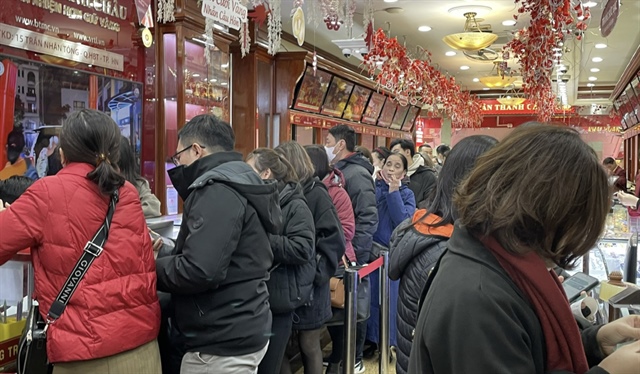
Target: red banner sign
{"points": [[609, 17], [8, 351], [311, 120], [495, 107]]}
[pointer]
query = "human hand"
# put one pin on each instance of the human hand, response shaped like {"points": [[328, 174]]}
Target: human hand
{"points": [[626, 199], [3, 205], [157, 245], [624, 360], [618, 331], [394, 183]]}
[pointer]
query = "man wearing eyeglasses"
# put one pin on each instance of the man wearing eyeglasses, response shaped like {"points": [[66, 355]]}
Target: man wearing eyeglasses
{"points": [[218, 270]]}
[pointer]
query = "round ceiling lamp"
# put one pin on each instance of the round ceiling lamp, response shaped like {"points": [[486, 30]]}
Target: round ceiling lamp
{"points": [[479, 10], [501, 78], [472, 39]]}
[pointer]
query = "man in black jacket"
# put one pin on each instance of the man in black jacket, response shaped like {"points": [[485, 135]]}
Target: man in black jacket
{"points": [[340, 147], [422, 180], [217, 273]]}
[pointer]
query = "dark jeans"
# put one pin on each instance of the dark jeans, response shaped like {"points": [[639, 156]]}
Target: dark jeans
{"points": [[337, 339], [280, 333]]}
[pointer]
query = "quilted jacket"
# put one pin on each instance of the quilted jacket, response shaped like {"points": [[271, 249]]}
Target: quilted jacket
{"points": [[414, 250], [115, 307]]}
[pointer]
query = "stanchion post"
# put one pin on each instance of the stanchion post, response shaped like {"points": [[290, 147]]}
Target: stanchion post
{"points": [[384, 313], [350, 319]]}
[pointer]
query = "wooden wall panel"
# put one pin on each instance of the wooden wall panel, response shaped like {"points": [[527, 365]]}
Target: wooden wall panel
{"points": [[289, 67]]}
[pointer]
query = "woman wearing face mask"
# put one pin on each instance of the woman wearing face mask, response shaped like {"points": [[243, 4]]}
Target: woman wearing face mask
{"points": [[379, 155], [395, 202], [293, 271]]}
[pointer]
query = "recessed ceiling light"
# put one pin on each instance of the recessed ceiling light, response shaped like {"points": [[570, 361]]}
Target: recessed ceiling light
{"points": [[485, 89], [591, 84], [601, 46], [424, 28], [196, 75], [593, 79], [597, 59], [590, 4], [390, 1], [480, 10], [224, 66], [224, 83], [450, 53], [476, 80], [509, 22], [464, 67], [595, 70]]}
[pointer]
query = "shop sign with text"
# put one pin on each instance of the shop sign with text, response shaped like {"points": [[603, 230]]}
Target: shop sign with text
{"points": [[230, 13], [527, 107], [32, 41]]}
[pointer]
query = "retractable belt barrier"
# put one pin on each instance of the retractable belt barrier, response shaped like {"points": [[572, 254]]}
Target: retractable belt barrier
{"points": [[351, 279]]}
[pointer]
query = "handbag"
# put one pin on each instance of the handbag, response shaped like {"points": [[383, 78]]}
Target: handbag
{"points": [[336, 286], [32, 348]]}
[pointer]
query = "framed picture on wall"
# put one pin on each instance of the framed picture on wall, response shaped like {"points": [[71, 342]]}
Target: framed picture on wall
{"points": [[357, 102], [374, 107], [337, 97], [312, 90], [388, 111], [398, 118], [411, 119]]}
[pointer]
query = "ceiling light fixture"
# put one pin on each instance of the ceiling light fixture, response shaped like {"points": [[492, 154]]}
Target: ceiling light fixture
{"points": [[450, 53], [509, 22], [390, 1], [460, 11], [591, 84], [500, 79], [601, 46], [424, 28], [472, 38], [595, 70], [464, 67], [597, 59], [593, 79], [590, 4], [486, 89], [476, 80]]}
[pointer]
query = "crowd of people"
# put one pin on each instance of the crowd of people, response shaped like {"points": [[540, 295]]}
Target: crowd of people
{"points": [[473, 234]]}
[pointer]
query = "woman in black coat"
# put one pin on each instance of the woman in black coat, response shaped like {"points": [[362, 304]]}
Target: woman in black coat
{"points": [[293, 271], [330, 246], [418, 243]]}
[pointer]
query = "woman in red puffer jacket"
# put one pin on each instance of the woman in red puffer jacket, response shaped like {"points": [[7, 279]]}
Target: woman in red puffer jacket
{"points": [[112, 320], [333, 179]]}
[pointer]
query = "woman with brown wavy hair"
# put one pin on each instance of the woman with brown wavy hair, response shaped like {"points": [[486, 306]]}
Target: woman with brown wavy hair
{"points": [[493, 303]]}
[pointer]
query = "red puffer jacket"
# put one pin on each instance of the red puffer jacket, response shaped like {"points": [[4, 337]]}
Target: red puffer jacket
{"points": [[335, 184], [115, 307]]}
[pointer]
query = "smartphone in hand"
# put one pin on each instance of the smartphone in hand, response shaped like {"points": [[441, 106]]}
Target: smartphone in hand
{"points": [[578, 283]]}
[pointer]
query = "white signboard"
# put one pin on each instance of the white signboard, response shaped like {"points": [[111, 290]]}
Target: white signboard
{"points": [[35, 42], [227, 12]]}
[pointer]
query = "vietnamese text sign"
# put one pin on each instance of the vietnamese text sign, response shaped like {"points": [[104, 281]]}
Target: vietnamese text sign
{"points": [[32, 41], [227, 12], [609, 17]]}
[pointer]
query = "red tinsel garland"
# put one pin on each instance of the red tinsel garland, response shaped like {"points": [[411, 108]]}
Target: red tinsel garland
{"points": [[534, 47], [420, 82]]}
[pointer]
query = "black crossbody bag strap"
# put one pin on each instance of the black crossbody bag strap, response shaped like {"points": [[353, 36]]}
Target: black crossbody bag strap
{"points": [[91, 251]]}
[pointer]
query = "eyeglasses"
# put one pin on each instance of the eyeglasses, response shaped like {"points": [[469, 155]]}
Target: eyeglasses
{"points": [[176, 158]]}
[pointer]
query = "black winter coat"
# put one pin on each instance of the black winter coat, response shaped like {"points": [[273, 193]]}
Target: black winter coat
{"points": [[330, 246], [476, 320], [291, 281], [414, 250], [217, 274], [422, 183], [357, 173]]}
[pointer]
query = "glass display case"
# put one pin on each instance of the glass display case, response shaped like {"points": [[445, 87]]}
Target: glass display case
{"points": [[16, 278]]}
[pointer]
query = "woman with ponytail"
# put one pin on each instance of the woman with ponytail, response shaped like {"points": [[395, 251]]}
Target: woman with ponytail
{"points": [[112, 320], [291, 282]]}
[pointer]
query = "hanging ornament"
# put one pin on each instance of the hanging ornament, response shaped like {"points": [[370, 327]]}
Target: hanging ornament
{"points": [[297, 25], [315, 63], [166, 10], [274, 25], [368, 23], [208, 31], [350, 9], [259, 14], [245, 39]]}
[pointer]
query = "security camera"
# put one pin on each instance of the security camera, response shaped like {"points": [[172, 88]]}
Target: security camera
{"points": [[563, 71], [565, 80], [346, 52]]}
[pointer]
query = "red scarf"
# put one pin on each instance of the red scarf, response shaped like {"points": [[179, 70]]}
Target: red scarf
{"points": [[546, 294]]}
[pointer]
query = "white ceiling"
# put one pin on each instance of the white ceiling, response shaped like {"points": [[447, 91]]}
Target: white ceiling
{"points": [[621, 43]]}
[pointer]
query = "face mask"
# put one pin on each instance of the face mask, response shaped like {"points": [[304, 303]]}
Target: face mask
{"points": [[330, 153], [179, 181]]}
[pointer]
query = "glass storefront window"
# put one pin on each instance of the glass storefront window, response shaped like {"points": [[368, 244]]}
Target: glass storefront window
{"points": [[45, 95]]}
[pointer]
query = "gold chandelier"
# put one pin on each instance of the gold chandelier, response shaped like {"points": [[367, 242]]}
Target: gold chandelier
{"points": [[501, 79], [472, 39], [511, 98]]}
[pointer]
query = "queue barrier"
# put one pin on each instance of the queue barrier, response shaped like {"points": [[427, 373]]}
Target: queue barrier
{"points": [[351, 279]]}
